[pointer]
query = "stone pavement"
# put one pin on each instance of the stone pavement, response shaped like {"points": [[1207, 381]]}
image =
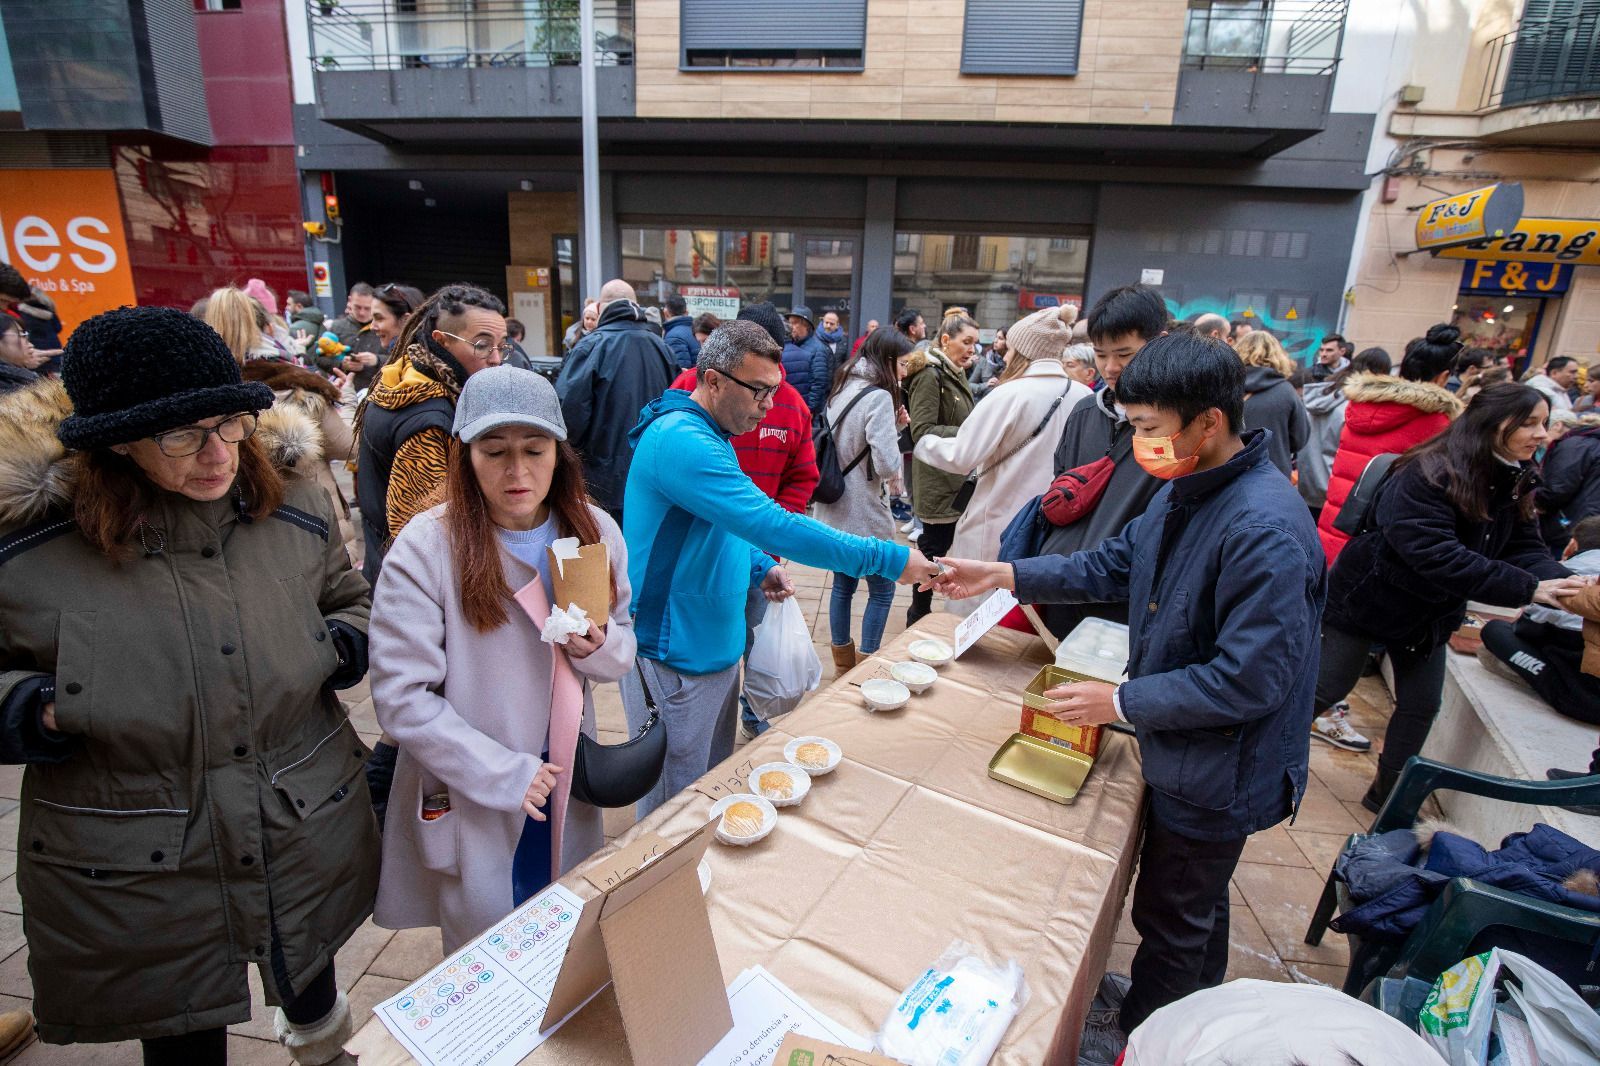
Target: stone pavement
{"points": [[1274, 890]]}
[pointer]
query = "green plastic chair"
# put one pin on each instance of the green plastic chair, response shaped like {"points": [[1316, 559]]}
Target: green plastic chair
{"points": [[1465, 909]]}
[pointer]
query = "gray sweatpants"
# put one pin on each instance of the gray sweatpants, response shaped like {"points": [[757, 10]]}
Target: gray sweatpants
{"points": [[701, 712]]}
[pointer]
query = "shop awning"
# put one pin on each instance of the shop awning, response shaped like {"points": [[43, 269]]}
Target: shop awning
{"points": [[1477, 215], [1538, 240]]}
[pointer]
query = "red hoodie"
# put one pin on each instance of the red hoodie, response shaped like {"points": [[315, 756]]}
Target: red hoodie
{"points": [[1385, 414], [777, 455]]}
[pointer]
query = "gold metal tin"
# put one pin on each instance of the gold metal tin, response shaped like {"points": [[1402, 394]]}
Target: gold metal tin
{"points": [[1037, 766], [1048, 678]]}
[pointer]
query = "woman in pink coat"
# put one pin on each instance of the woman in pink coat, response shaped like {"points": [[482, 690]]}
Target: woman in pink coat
{"points": [[485, 713]]}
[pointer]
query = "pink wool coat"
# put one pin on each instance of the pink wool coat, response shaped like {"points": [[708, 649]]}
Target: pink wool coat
{"points": [[471, 713]]}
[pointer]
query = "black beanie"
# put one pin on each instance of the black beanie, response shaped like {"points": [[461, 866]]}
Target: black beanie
{"points": [[138, 371], [766, 316]]}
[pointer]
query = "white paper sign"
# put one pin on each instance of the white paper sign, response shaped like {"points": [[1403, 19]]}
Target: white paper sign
{"points": [[1147, 276], [764, 1012], [485, 1004], [529, 309], [980, 621]]}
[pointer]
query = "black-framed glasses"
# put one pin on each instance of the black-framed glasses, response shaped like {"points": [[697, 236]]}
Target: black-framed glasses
{"points": [[179, 443], [482, 348], [761, 393]]}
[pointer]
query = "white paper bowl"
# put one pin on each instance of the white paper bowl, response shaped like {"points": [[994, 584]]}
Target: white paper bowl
{"points": [[918, 677], [883, 694], [835, 753], [931, 652], [769, 819], [802, 782]]}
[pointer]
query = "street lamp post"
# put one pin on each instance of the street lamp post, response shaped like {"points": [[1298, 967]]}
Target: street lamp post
{"points": [[591, 151]]}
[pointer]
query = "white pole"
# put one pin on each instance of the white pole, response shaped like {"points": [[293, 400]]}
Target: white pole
{"points": [[591, 154]]}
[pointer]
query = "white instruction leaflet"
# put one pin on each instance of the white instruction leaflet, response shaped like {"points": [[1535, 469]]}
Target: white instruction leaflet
{"points": [[985, 618], [485, 1004], [765, 1011]]}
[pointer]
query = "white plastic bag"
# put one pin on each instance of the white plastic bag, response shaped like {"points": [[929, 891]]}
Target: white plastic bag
{"points": [[956, 1013], [1461, 1011], [783, 664]]}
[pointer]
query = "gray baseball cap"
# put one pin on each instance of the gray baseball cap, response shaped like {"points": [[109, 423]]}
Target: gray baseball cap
{"points": [[507, 396]]}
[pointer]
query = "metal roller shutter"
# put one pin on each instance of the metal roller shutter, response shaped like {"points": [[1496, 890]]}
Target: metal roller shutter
{"points": [[1022, 37], [746, 24]]}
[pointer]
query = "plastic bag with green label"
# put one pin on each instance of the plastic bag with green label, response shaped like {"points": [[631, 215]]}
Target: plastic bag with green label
{"points": [[1539, 1020]]}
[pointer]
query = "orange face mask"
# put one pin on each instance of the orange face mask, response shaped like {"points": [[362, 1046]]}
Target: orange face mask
{"points": [[1159, 456]]}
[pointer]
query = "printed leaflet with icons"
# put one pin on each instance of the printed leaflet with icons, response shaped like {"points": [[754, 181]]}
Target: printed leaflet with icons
{"points": [[485, 1005]]}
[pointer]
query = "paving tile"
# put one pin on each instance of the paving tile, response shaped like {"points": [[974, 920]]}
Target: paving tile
{"points": [[1319, 973], [11, 782], [1321, 812], [1273, 847], [412, 953], [1320, 849], [1282, 898], [250, 1051], [1364, 818], [1120, 959], [1345, 773], [14, 979], [360, 951], [124, 1053], [367, 993], [1250, 952]]}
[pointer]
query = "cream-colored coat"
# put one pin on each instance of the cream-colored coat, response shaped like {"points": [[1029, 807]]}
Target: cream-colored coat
{"points": [[471, 713], [1002, 422]]}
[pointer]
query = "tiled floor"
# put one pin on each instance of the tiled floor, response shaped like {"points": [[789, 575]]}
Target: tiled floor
{"points": [[1273, 892]]}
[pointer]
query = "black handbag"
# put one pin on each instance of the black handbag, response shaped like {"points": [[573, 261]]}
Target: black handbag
{"points": [[619, 775]]}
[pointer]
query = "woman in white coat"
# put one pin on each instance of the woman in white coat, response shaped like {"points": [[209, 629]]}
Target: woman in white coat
{"points": [[1010, 438], [864, 411], [486, 714]]}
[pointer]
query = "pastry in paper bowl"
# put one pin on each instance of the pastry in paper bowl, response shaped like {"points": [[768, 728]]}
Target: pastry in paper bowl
{"points": [[882, 694], [815, 755], [931, 652], [918, 677], [743, 819], [780, 783]]}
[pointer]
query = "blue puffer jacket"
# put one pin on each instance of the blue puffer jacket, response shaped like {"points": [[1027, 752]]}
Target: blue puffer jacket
{"points": [[679, 335], [809, 367], [1225, 581], [1392, 893]]}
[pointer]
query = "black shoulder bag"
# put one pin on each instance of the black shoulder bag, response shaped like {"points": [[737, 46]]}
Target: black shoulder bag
{"points": [[618, 775]]}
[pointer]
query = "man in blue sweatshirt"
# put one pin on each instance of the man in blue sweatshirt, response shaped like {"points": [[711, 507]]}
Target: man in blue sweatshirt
{"points": [[1225, 577], [700, 535]]}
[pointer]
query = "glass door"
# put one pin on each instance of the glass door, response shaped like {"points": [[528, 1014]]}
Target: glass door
{"points": [[828, 283]]}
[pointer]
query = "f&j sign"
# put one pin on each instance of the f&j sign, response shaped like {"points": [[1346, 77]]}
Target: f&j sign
{"points": [[1481, 214]]}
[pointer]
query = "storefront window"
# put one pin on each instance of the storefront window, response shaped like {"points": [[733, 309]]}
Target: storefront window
{"points": [[998, 278], [1504, 325], [718, 270]]}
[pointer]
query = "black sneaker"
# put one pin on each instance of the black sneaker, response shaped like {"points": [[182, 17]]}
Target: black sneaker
{"points": [[1558, 774], [1103, 1039]]}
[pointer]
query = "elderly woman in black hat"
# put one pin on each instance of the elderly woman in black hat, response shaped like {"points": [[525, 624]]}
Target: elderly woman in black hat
{"points": [[174, 620]]}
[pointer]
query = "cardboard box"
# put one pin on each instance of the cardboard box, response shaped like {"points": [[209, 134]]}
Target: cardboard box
{"points": [[798, 1050], [1040, 725]]}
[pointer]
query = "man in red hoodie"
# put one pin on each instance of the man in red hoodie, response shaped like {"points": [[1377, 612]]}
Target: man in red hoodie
{"points": [[779, 457]]}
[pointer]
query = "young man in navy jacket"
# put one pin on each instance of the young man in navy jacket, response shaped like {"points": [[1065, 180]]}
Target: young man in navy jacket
{"points": [[1225, 579]]}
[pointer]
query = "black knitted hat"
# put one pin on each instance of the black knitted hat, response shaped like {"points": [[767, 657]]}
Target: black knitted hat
{"points": [[138, 371], [766, 316]]}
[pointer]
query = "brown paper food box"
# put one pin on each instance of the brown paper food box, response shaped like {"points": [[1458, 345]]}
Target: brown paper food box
{"points": [[585, 581], [650, 936], [798, 1050]]}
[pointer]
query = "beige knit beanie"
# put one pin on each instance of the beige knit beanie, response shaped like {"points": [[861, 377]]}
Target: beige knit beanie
{"points": [[1044, 334]]}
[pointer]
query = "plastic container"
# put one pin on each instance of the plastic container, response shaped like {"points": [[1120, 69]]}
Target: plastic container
{"points": [[883, 694], [918, 677], [931, 652], [1097, 649]]}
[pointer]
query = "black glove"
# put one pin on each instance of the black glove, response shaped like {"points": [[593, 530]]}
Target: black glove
{"points": [[351, 644], [23, 737]]}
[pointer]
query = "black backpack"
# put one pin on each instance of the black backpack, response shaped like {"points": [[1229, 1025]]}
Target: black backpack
{"points": [[1360, 511], [830, 476]]}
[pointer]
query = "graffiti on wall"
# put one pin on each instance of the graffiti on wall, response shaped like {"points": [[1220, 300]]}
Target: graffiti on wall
{"points": [[1299, 331]]}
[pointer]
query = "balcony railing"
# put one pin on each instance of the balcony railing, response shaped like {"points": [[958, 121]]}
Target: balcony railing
{"points": [[1265, 36], [451, 34], [1539, 62]]}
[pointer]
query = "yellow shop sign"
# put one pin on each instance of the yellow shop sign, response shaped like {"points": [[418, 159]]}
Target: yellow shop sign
{"points": [[1538, 240], [1470, 216]]}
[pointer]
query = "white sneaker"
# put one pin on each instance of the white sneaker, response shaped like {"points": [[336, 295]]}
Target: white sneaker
{"points": [[1335, 728], [909, 526]]}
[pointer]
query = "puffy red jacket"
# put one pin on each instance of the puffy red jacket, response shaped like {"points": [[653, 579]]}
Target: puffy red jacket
{"points": [[1385, 414], [778, 454]]}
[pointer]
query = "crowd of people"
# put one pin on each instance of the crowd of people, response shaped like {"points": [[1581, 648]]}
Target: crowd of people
{"points": [[187, 587]]}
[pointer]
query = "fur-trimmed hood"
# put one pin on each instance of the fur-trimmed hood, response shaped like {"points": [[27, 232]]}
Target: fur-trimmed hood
{"points": [[283, 377], [1380, 403], [37, 474]]}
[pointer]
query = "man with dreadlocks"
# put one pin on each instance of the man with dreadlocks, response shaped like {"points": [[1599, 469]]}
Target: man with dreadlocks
{"points": [[405, 421]]}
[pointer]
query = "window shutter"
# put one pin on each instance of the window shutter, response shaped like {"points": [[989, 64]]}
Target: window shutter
{"points": [[783, 24], [1022, 37]]}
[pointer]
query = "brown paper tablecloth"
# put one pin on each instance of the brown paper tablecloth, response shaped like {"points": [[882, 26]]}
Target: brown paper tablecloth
{"points": [[905, 847]]}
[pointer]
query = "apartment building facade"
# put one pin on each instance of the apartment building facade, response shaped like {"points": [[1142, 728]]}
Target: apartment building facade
{"points": [[858, 156]]}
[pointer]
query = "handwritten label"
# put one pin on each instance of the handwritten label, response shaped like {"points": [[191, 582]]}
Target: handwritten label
{"points": [[980, 621], [726, 781], [625, 862], [879, 670]]}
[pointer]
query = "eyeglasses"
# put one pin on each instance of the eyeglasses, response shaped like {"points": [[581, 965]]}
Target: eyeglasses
{"points": [[761, 394], [482, 348], [178, 443]]}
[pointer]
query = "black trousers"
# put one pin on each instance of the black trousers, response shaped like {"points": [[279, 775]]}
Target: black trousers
{"points": [[1180, 908], [1418, 684], [935, 540], [209, 1047], [1550, 659]]}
